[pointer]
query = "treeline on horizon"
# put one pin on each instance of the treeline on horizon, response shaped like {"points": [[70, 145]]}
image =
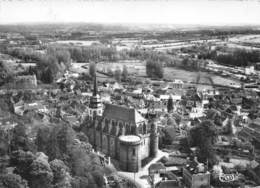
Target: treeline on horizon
{"points": [[94, 31]]}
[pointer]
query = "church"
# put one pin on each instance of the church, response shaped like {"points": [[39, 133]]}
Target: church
{"points": [[120, 132]]}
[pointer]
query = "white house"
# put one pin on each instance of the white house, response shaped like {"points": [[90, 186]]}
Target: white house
{"points": [[249, 70]]}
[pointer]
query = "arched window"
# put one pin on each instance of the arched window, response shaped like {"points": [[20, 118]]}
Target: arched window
{"points": [[144, 128], [133, 151], [133, 129], [113, 123], [106, 122], [128, 129], [121, 128], [106, 128]]}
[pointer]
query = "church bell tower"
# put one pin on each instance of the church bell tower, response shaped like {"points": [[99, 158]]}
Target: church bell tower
{"points": [[95, 106]]}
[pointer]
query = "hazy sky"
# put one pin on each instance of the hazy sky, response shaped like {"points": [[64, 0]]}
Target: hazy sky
{"points": [[204, 12]]}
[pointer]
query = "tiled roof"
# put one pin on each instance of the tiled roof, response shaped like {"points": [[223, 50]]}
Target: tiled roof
{"points": [[122, 113]]}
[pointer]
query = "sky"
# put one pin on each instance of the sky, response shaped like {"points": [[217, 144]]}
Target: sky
{"points": [[181, 12]]}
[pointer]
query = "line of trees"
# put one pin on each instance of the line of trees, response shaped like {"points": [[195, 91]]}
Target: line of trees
{"points": [[91, 53], [94, 53], [121, 75], [239, 57]]}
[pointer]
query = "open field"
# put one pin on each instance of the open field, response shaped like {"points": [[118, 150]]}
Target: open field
{"points": [[137, 68], [192, 76], [246, 38], [83, 68], [76, 42], [134, 67]]}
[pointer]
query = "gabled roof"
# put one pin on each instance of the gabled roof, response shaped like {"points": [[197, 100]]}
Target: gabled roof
{"points": [[156, 167], [122, 113]]}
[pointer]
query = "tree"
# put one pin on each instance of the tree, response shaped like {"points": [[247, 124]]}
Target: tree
{"points": [[170, 105], [203, 136], [48, 75], [6, 74], [80, 182], [12, 181], [125, 73], [185, 62], [154, 68], [61, 176], [20, 139], [43, 138], [92, 69], [171, 122], [48, 68], [109, 71], [184, 145], [63, 57], [41, 175], [167, 135], [82, 137], [22, 160], [118, 74], [56, 141], [99, 179], [81, 160]]}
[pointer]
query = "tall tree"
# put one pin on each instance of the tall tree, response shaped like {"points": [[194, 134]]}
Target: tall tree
{"points": [[61, 176], [20, 139], [22, 160], [170, 104], [154, 68], [41, 175], [125, 73], [92, 69], [118, 74], [203, 136], [12, 181]]}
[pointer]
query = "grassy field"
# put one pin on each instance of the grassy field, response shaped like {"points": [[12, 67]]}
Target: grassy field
{"points": [[138, 70], [192, 76], [83, 68]]}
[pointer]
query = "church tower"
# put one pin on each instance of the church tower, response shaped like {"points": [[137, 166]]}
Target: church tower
{"points": [[95, 106], [154, 139]]}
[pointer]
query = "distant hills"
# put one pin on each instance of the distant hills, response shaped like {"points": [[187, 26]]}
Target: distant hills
{"points": [[117, 28]]}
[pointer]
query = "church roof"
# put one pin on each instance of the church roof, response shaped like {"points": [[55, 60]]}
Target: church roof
{"points": [[122, 113]]}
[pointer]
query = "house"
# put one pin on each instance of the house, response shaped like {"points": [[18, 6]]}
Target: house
{"points": [[155, 170], [249, 70], [21, 107], [251, 132], [196, 112], [7, 124], [176, 84], [195, 175], [166, 97], [157, 107], [25, 82]]}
